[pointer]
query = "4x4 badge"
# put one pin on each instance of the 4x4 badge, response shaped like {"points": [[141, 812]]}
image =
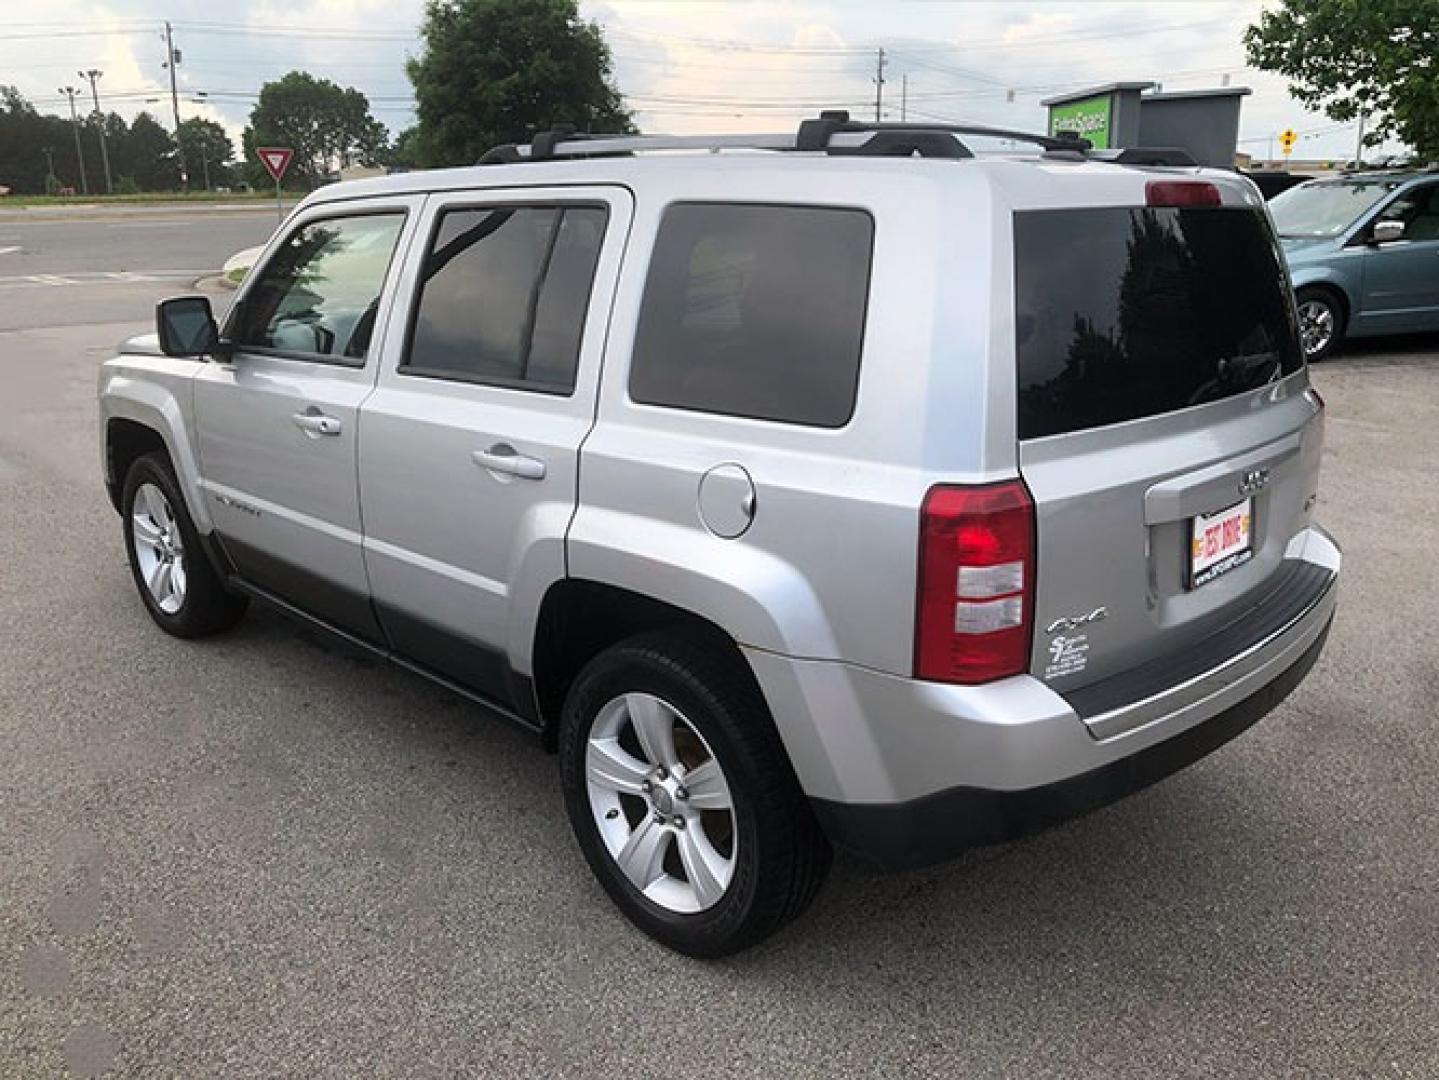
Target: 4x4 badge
{"points": [[1253, 480], [1074, 622]]}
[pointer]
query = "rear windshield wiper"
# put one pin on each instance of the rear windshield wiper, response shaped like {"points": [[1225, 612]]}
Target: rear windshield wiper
{"points": [[1241, 371]]}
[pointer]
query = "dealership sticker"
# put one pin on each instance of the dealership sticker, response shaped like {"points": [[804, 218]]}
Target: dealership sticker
{"points": [[1068, 655]]}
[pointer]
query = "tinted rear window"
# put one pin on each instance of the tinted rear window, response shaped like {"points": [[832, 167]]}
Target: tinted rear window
{"points": [[1125, 313], [755, 311]]}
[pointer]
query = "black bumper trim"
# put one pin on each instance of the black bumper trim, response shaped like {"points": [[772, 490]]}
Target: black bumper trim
{"points": [[901, 836]]}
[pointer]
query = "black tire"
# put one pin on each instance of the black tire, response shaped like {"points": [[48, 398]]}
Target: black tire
{"points": [[778, 868], [1321, 300], [207, 607]]}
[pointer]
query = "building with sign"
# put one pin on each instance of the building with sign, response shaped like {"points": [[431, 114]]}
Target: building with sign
{"points": [[1121, 114]]}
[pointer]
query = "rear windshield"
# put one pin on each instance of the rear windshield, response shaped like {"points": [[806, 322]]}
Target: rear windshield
{"points": [[1124, 313]]}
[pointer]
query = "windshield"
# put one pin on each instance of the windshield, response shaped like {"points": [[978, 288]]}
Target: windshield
{"points": [[1326, 207]]}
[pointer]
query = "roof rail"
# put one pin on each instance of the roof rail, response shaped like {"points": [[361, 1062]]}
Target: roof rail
{"points": [[832, 132], [1144, 155], [817, 134]]}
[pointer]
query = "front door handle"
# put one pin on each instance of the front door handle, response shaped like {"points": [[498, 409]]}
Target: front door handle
{"points": [[316, 423], [502, 458]]}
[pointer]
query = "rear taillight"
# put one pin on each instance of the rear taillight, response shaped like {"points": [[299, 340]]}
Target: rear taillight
{"points": [[1181, 193], [975, 606]]}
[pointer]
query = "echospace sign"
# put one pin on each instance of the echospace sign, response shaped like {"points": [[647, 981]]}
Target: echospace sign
{"points": [[1088, 117]]}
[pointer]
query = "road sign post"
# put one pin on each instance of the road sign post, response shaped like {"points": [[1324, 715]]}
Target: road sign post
{"points": [[276, 160]]}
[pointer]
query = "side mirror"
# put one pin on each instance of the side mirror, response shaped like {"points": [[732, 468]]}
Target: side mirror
{"points": [[187, 326], [1386, 232]]}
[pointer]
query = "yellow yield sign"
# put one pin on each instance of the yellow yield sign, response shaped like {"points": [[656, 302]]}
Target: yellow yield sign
{"points": [[1287, 138]]}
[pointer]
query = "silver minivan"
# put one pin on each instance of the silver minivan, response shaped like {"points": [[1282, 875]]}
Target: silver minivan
{"points": [[846, 488]]}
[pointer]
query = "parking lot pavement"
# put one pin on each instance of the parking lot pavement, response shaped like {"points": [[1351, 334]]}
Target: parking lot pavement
{"points": [[255, 856]]}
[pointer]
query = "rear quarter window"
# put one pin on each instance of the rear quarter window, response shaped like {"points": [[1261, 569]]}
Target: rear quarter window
{"points": [[755, 311], [1126, 313]]}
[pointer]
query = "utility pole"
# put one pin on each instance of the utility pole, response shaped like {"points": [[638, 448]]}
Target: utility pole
{"points": [[1359, 145], [49, 166], [70, 92], [879, 85], [93, 75], [172, 61], [904, 97]]}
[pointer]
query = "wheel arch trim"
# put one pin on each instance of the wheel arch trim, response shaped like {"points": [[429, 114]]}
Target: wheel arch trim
{"points": [[153, 406]]}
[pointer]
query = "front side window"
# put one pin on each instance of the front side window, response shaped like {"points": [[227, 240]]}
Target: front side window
{"points": [[504, 296], [755, 311], [1418, 209], [319, 293]]}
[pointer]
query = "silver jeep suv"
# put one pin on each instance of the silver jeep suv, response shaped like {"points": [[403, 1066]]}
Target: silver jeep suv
{"points": [[843, 488]]}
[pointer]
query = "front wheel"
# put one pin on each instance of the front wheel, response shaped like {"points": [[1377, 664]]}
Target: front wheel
{"points": [[1321, 323], [681, 796], [177, 582]]}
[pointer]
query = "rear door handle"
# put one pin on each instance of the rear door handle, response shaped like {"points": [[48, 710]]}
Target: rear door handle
{"points": [[316, 423], [502, 458]]}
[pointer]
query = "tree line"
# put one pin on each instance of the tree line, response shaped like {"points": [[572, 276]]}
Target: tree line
{"points": [[489, 71], [39, 155]]}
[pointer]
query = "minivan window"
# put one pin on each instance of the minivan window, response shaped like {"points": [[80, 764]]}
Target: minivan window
{"points": [[1326, 207], [1125, 313], [319, 293], [504, 295], [755, 311]]}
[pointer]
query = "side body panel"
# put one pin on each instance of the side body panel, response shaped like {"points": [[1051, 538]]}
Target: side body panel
{"points": [[826, 569], [1401, 279], [459, 556], [283, 497]]}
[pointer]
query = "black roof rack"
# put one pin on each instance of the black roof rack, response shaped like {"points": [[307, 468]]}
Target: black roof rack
{"points": [[832, 132]]}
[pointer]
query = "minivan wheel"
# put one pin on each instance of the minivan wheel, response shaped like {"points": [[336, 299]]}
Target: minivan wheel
{"points": [[1321, 323], [681, 796], [180, 588]]}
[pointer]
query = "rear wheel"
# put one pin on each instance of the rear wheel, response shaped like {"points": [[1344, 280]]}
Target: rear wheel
{"points": [[1321, 323], [681, 796], [180, 588]]}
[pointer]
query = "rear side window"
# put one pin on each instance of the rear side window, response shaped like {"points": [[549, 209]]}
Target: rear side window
{"points": [[1126, 313], [504, 296], [755, 311]]}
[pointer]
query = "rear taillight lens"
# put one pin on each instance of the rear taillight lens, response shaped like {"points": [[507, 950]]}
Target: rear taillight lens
{"points": [[975, 606], [1181, 193]]}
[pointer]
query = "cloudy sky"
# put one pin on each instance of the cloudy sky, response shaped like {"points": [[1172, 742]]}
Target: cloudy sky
{"points": [[683, 65]]}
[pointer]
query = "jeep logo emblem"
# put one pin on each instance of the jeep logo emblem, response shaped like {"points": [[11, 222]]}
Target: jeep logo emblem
{"points": [[1253, 480]]}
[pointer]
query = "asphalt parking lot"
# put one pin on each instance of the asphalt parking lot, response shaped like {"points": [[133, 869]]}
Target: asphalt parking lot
{"points": [[256, 856]]}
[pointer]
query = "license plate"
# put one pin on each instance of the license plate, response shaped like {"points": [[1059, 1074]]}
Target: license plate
{"points": [[1219, 542]]}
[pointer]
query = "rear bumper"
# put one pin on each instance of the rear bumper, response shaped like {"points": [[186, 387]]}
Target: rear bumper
{"points": [[904, 773], [898, 836]]}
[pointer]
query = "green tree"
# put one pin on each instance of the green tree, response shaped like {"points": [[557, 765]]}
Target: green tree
{"points": [[145, 152], [25, 137], [497, 71], [1353, 57], [207, 151], [328, 128]]}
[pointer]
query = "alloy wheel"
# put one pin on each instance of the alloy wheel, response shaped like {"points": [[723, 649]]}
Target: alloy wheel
{"points": [[661, 803], [159, 549], [1316, 326]]}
